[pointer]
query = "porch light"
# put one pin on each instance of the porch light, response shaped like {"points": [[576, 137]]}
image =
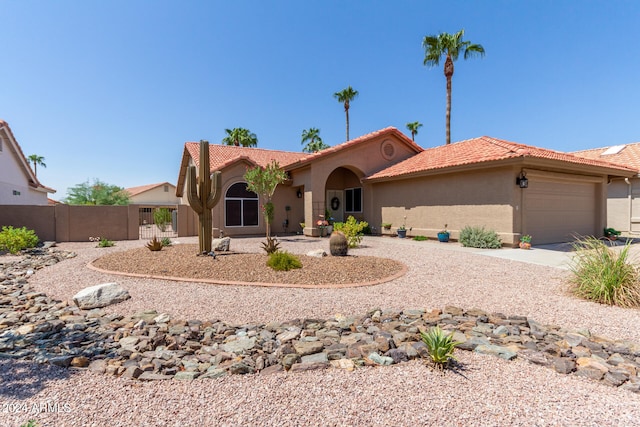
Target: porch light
{"points": [[299, 194], [522, 180]]}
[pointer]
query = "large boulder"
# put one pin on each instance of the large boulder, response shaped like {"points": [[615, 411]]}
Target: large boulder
{"points": [[221, 245], [100, 296]]}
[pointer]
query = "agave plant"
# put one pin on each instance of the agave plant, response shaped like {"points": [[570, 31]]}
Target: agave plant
{"points": [[155, 244], [440, 346]]}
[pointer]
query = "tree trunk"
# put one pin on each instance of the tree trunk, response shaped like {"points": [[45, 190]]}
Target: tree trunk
{"points": [[448, 73], [346, 110]]}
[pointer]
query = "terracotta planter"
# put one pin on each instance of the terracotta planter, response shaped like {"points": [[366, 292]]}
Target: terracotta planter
{"points": [[525, 245]]}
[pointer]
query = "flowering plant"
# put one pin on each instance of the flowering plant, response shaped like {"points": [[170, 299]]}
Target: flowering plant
{"points": [[403, 226]]}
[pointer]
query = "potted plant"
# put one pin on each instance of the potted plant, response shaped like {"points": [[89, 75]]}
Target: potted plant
{"points": [[322, 225], [611, 233], [443, 235], [402, 230], [386, 225], [525, 242]]}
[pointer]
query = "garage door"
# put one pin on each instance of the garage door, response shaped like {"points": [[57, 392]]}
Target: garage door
{"points": [[555, 211]]}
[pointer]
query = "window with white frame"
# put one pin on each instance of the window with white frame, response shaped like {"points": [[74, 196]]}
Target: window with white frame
{"points": [[353, 200], [241, 206]]}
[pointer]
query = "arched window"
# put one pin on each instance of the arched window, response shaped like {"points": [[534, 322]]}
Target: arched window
{"points": [[241, 206]]}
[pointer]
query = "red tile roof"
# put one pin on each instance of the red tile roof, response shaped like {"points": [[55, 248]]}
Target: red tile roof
{"points": [[221, 156], [351, 143], [134, 191], [628, 155], [479, 150]]}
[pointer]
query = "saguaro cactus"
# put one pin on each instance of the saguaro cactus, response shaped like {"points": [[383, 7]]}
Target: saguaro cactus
{"points": [[203, 195]]}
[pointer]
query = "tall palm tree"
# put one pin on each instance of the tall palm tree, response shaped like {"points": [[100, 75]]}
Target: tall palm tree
{"points": [[240, 137], [413, 128], [313, 140], [449, 46], [37, 160], [346, 96]]}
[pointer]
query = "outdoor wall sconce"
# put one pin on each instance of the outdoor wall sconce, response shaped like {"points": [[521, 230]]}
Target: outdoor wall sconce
{"points": [[299, 194], [522, 180]]}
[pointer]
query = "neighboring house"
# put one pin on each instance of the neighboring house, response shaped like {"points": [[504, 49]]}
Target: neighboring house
{"points": [[151, 197], [161, 194], [18, 182], [623, 193], [384, 176]]}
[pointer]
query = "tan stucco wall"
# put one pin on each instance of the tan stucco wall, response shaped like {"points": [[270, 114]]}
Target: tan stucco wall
{"points": [[482, 198], [285, 195], [65, 223], [623, 205], [361, 160]]}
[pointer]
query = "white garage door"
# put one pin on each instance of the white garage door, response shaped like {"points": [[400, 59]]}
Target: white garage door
{"points": [[556, 211]]}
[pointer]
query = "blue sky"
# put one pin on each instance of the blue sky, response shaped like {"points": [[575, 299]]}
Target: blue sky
{"points": [[112, 90]]}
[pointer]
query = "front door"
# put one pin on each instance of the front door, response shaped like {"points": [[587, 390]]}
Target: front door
{"points": [[335, 204]]}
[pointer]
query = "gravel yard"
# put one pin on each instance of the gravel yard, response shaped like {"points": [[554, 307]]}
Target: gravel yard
{"points": [[488, 391]]}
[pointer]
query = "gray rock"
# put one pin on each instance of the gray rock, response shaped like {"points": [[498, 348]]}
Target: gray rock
{"points": [[380, 360], [221, 245], [239, 345], [186, 375], [315, 358], [317, 253], [496, 350], [310, 347], [99, 296]]}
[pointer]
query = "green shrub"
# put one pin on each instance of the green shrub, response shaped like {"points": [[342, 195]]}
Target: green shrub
{"points": [[478, 237], [283, 261], [103, 242], [605, 275], [162, 217], [420, 238], [30, 423], [440, 346], [16, 239], [166, 241], [352, 229]]}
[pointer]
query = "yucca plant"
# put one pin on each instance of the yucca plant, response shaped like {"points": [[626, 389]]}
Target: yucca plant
{"points": [[271, 245], [166, 241], [605, 275], [155, 245], [440, 346]]}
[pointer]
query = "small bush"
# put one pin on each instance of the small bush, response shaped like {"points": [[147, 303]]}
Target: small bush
{"points": [[283, 261], [420, 238], [440, 346], [166, 241], [162, 217], [16, 239], [103, 242], [478, 237], [604, 275], [352, 229]]}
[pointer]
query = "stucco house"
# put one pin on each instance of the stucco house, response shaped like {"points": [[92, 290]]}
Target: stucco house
{"points": [[153, 195], [384, 177], [623, 202], [18, 183]]}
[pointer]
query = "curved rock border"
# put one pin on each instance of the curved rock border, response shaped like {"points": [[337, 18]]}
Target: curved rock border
{"points": [[395, 276]]}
